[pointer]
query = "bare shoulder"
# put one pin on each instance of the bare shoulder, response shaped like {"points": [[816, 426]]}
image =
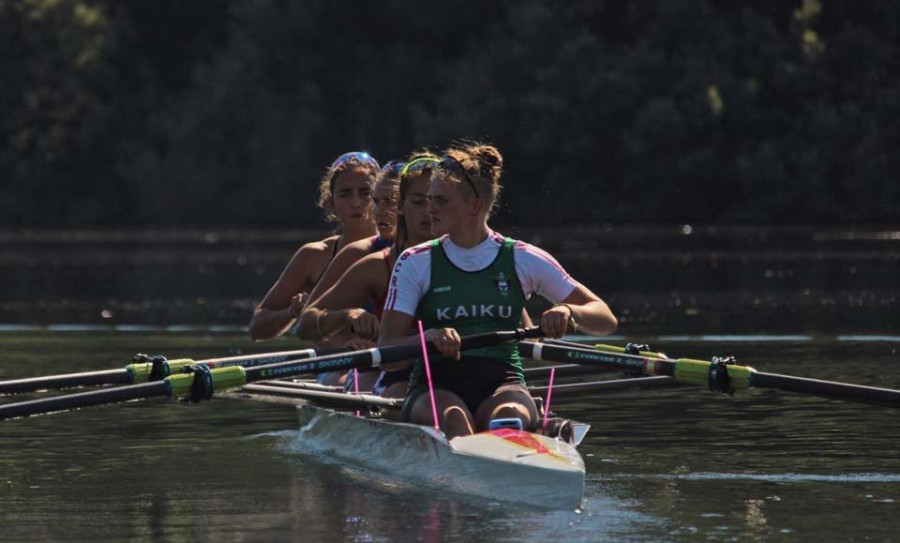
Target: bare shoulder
{"points": [[311, 258], [351, 253], [371, 262], [364, 244], [321, 247]]}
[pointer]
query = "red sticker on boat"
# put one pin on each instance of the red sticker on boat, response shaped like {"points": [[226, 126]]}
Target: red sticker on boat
{"points": [[521, 438]]}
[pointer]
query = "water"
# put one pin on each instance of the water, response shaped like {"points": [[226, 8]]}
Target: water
{"points": [[666, 465], [663, 465]]}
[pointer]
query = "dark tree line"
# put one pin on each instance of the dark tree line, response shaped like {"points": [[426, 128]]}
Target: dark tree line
{"points": [[225, 112]]}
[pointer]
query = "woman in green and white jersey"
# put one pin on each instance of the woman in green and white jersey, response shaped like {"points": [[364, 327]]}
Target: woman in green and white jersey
{"points": [[469, 280]]}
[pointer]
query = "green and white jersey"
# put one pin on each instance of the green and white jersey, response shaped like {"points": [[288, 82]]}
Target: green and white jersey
{"points": [[449, 286], [487, 300]]}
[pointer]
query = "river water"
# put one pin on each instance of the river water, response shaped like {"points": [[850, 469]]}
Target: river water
{"points": [[664, 465]]}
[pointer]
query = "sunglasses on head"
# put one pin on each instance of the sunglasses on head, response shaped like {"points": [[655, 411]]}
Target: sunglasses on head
{"points": [[455, 167], [361, 157], [419, 165], [394, 168]]}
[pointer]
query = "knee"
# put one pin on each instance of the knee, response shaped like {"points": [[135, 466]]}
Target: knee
{"points": [[507, 407], [396, 390]]}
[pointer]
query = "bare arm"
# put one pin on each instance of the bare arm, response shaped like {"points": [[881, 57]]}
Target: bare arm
{"points": [[281, 305], [395, 327], [589, 313], [340, 307], [394, 330], [339, 265]]}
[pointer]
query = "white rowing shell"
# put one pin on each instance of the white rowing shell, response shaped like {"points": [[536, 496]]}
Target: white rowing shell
{"points": [[505, 464]]}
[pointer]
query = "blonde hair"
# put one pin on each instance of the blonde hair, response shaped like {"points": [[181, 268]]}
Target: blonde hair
{"points": [[483, 164]]}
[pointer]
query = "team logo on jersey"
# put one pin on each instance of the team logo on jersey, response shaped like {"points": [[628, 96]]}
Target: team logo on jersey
{"points": [[502, 283], [474, 311]]}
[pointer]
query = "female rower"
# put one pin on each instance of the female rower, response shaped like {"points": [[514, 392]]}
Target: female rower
{"points": [[340, 307], [471, 280], [384, 210], [345, 194]]}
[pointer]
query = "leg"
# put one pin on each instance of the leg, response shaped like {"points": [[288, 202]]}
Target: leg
{"points": [[394, 390], [509, 401], [367, 380], [454, 417], [332, 378]]}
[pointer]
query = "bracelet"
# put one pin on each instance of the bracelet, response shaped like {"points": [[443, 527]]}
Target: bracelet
{"points": [[319, 324]]}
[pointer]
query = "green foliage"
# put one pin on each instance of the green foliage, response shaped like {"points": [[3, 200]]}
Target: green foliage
{"points": [[222, 112]]}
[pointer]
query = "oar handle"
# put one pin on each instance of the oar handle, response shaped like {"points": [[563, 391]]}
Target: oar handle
{"points": [[376, 357], [489, 339]]}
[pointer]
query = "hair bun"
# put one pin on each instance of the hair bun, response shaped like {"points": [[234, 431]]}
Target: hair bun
{"points": [[490, 162], [488, 155]]}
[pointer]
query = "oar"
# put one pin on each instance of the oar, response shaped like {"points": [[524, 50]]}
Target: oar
{"points": [[719, 375], [149, 368], [631, 348], [333, 399], [656, 381], [543, 372], [199, 382], [577, 369]]}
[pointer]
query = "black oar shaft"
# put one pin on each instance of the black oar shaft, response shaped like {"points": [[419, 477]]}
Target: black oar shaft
{"points": [[127, 376], [84, 399], [202, 382], [562, 369], [375, 357], [830, 389], [698, 372], [658, 381], [72, 380], [263, 359]]}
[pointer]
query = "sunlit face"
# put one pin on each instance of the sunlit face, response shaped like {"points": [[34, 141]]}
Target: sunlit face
{"points": [[415, 210], [384, 208], [352, 198], [447, 205]]}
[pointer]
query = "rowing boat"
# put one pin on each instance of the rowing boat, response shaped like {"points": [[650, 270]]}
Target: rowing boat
{"points": [[503, 464]]}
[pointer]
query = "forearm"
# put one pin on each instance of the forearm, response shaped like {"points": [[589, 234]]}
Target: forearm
{"points": [[400, 339], [594, 318], [270, 323], [316, 324]]}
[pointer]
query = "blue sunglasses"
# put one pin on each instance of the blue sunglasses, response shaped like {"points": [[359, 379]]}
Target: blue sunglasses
{"points": [[358, 156]]}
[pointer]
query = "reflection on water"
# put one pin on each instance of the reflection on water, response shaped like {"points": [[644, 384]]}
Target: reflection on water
{"points": [[657, 279], [666, 465]]}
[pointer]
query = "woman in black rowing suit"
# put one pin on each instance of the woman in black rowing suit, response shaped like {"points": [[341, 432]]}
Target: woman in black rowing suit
{"points": [[345, 194]]}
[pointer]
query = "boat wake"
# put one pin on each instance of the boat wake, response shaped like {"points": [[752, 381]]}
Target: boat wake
{"points": [[768, 477]]}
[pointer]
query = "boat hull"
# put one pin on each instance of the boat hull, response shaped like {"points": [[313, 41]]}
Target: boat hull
{"points": [[505, 465]]}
